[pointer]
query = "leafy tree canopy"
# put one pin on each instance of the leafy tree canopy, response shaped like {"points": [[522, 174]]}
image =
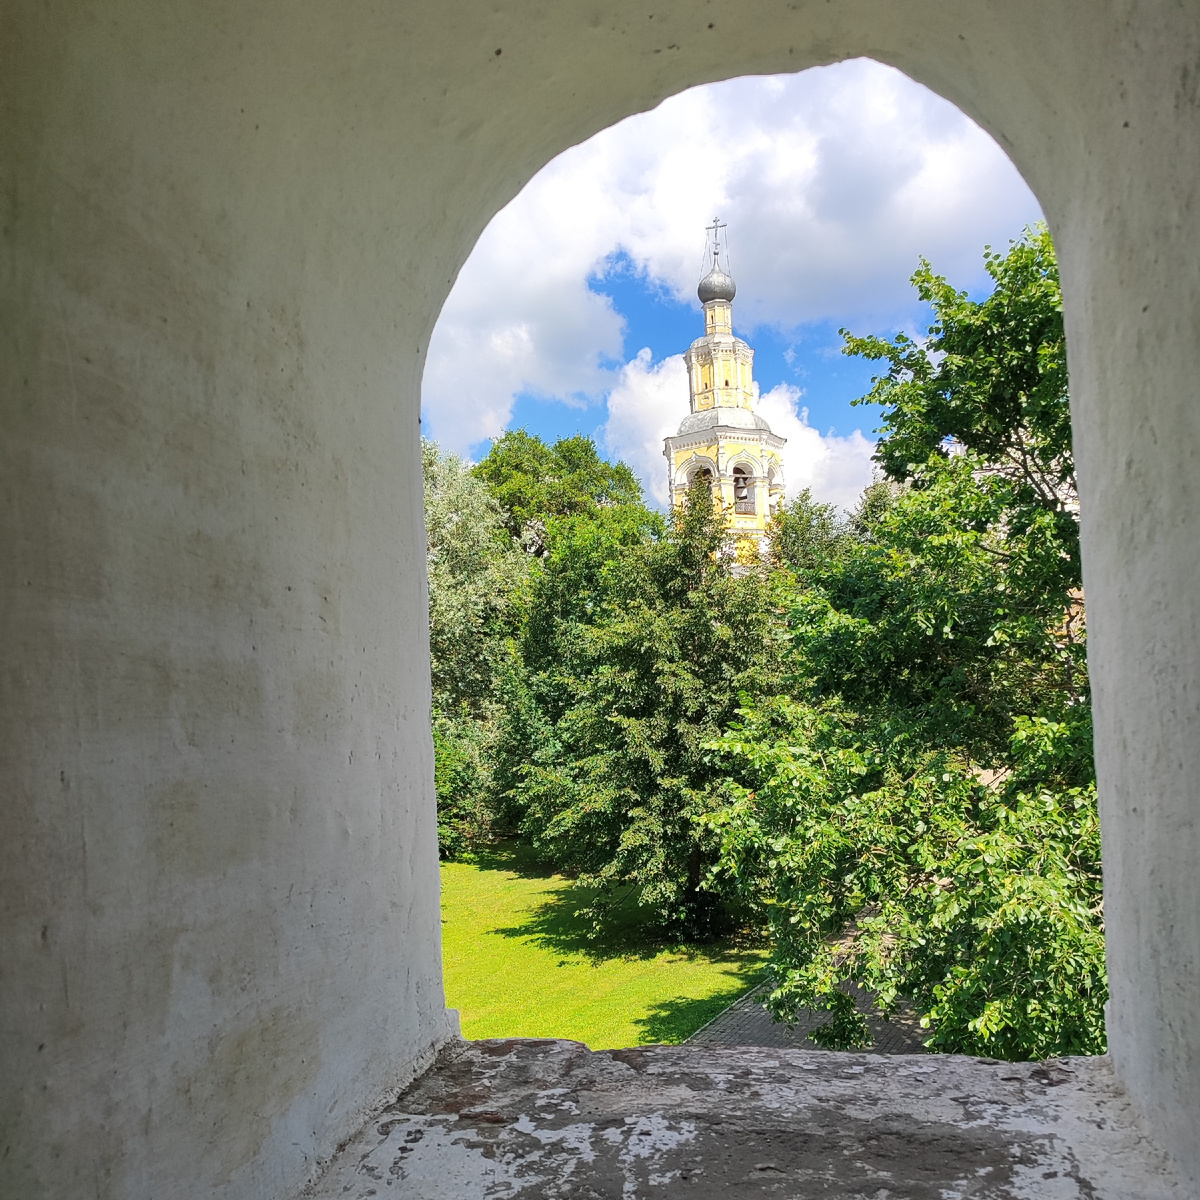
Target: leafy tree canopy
{"points": [[533, 482], [645, 672], [474, 570], [917, 814], [992, 376]]}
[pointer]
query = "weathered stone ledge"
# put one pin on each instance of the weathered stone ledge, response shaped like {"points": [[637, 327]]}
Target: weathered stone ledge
{"points": [[524, 1118]]}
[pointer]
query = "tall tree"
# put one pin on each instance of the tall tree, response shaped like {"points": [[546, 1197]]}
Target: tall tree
{"points": [[642, 684], [474, 574], [918, 815]]}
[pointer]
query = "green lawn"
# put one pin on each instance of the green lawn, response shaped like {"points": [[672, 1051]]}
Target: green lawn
{"points": [[517, 963]]}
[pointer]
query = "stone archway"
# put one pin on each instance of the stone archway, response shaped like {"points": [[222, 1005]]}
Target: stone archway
{"points": [[227, 233]]}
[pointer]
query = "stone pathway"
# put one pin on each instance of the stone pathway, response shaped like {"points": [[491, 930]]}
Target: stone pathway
{"points": [[549, 1120], [747, 1023]]}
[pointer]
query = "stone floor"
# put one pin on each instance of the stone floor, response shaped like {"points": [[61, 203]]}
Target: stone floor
{"points": [[747, 1023], [522, 1118]]}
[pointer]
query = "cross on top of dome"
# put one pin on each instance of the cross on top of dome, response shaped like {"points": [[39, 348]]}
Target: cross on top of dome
{"points": [[718, 283]]}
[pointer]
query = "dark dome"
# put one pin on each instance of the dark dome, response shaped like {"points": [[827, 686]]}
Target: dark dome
{"points": [[716, 285]]}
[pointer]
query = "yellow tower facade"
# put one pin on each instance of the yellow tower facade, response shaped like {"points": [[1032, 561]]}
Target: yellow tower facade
{"points": [[723, 438]]}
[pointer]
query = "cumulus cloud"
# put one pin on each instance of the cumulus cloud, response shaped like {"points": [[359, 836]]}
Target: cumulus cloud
{"points": [[520, 318], [833, 183], [835, 468], [651, 399], [646, 406]]}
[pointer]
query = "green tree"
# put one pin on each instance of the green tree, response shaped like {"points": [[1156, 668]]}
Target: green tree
{"points": [[533, 482], [806, 532], [880, 861], [490, 631], [567, 590], [474, 572], [992, 373], [991, 379], [641, 676], [918, 814]]}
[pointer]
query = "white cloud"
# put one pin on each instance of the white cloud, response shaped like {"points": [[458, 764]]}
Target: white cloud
{"points": [[836, 468], [520, 318], [650, 400], [833, 183], [646, 406]]}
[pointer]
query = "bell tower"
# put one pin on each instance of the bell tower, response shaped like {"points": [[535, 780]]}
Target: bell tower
{"points": [[723, 437]]}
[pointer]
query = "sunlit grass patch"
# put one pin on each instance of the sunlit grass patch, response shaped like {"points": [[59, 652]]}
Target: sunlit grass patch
{"points": [[518, 963]]}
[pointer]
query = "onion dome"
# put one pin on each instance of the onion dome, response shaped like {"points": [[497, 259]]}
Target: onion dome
{"points": [[716, 285], [728, 418]]}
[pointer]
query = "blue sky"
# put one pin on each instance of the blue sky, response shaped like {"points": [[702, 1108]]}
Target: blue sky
{"points": [[573, 311], [808, 357]]}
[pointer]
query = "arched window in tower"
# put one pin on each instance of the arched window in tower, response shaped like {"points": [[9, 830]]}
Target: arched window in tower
{"points": [[743, 491], [700, 473], [774, 492]]}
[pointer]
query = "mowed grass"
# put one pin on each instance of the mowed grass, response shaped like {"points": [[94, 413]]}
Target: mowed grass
{"points": [[518, 963]]}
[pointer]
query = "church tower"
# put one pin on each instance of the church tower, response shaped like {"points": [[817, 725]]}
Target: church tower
{"points": [[723, 438]]}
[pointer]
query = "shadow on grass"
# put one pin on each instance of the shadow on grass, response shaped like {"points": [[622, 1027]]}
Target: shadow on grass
{"points": [[554, 925], [674, 1021], [509, 855]]}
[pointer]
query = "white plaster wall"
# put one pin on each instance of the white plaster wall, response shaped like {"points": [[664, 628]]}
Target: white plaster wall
{"points": [[226, 231]]}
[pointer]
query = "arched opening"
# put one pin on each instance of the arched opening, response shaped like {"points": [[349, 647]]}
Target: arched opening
{"points": [[775, 491], [743, 443], [743, 491]]}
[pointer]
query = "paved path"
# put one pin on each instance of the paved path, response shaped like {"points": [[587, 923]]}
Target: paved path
{"points": [[747, 1023]]}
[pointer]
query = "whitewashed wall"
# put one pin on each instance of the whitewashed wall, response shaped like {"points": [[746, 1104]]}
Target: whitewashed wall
{"points": [[225, 233]]}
